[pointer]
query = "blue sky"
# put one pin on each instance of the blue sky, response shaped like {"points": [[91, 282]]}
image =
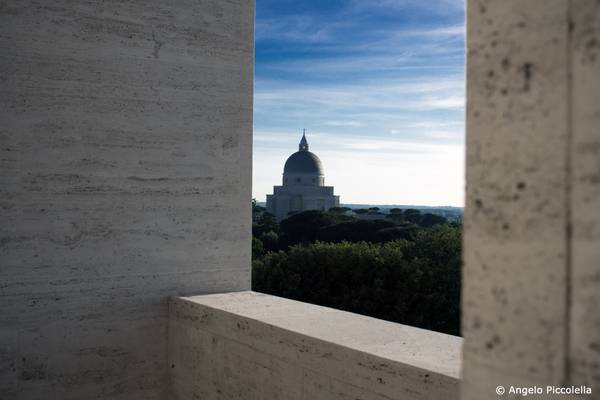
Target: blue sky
{"points": [[379, 87]]}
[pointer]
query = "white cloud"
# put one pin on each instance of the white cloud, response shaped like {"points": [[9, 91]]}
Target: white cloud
{"points": [[454, 30], [432, 6], [372, 170], [297, 28], [385, 97], [443, 102], [383, 106], [343, 123]]}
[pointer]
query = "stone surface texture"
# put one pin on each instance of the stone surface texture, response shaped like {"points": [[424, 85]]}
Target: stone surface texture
{"points": [[125, 165], [584, 352], [532, 219], [249, 345]]}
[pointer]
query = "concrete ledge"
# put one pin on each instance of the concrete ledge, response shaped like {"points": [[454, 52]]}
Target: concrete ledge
{"points": [[248, 345]]}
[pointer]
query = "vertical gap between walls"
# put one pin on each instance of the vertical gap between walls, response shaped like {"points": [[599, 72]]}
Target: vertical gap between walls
{"points": [[568, 194]]}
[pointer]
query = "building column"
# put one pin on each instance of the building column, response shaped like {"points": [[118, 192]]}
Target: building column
{"points": [[531, 284]]}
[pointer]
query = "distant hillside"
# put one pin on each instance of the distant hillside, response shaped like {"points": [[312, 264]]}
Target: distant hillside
{"points": [[402, 206], [449, 212]]}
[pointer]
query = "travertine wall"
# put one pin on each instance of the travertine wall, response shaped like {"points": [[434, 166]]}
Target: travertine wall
{"points": [[584, 196], [125, 165], [254, 346], [532, 220]]}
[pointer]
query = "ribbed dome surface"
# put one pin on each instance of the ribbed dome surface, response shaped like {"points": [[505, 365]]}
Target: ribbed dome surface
{"points": [[303, 162]]}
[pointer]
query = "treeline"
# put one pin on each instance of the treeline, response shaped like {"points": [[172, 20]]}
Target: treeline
{"points": [[403, 268]]}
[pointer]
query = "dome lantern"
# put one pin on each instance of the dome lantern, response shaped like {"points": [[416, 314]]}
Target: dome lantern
{"points": [[303, 161], [303, 146]]}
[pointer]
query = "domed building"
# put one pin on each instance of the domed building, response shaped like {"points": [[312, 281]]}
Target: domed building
{"points": [[303, 185]]}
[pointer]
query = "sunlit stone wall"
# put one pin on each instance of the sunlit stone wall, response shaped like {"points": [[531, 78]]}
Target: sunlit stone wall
{"points": [[532, 220], [250, 345], [125, 173]]}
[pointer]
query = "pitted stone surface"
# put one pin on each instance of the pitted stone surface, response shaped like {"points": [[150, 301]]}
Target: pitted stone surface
{"points": [[585, 195], [531, 287], [125, 165], [514, 294], [259, 346]]}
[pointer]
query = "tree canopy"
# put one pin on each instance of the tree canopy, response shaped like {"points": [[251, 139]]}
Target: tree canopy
{"points": [[412, 282], [403, 267]]}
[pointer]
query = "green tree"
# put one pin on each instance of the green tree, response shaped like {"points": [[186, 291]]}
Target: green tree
{"points": [[270, 241], [339, 210], [429, 220], [256, 207], [302, 227], [353, 231], [265, 223], [403, 230], [257, 248], [414, 282]]}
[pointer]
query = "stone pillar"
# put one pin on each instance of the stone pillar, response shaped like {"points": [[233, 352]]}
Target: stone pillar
{"points": [[532, 219], [584, 153], [125, 178]]}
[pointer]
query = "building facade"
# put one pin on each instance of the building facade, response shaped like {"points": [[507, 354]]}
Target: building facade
{"points": [[303, 187]]}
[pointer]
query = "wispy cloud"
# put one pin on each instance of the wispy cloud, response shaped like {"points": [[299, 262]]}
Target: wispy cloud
{"points": [[379, 81], [365, 104], [431, 7], [283, 143], [343, 123], [295, 28], [365, 170]]}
